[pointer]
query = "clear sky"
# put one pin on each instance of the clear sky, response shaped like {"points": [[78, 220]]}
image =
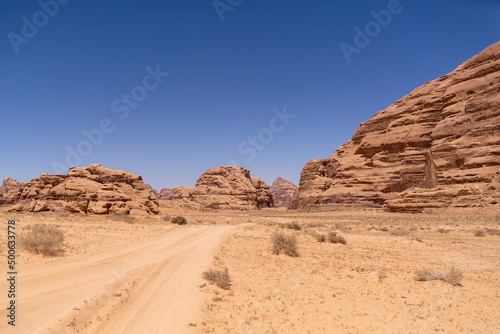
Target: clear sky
{"points": [[167, 89]]}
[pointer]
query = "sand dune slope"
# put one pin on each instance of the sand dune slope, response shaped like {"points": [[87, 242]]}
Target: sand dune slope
{"points": [[146, 288]]}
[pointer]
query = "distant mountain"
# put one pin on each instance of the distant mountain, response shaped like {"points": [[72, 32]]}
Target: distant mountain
{"points": [[283, 192]]}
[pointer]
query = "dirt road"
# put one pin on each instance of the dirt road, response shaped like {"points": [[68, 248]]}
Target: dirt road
{"points": [[145, 288]]}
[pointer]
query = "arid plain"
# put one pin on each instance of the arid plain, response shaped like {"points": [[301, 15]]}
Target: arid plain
{"points": [[121, 273]]}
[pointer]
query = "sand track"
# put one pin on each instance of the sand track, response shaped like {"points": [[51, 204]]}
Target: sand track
{"points": [[145, 288]]}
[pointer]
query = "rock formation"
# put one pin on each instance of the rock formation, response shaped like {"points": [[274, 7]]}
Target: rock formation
{"points": [[165, 194], [8, 190], [283, 192], [437, 147], [154, 191], [228, 187], [93, 189]]}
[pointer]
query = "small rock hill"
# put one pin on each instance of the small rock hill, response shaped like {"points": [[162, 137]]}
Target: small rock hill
{"points": [[226, 188], [93, 189]]}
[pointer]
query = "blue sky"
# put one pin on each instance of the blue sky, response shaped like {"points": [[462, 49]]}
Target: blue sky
{"points": [[96, 65]]}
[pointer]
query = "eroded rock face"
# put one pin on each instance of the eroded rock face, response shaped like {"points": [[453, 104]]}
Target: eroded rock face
{"points": [[228, 187], [8, 190], [165, 194], [437, 147], [154, 191], [93, 189], [283, 192]]}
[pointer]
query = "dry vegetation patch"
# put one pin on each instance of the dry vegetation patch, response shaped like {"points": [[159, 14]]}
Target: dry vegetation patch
{"points": [[369, 286], [453, 276], [218, 277], [284, 243], [43, 239]]}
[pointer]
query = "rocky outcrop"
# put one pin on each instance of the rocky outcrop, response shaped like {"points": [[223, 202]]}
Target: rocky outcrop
{"points": [[437, 147], [93, 189], [165, 194], [154, 191], [283, 192], [228, 187], [8, 190]]}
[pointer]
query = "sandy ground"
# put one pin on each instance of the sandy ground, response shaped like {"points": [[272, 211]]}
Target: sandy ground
{"points": [[143, 275], [366, 286], [144, 287]]}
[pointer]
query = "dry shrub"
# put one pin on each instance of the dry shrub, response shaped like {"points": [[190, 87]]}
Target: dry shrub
{"points": [[384, 229], [479, 233], [443, 230], [43, 239], [318, 236], [453, 277], [336, 239], [400, 231], [342, 227], [218, 277], [293, 226], [179, 220], [123, 217], [285, 243], [492, 231]]}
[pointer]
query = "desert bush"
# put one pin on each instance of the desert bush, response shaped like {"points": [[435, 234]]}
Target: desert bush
{"points": [[167, 218], [479, 233], [443, 230], [334, 238], [179, 220], [123, 217], [218, 277], [453, 277], [342, 227], [42, 239], [400, 231], [492, 231], [285, 243], [318, 236], [384, 229], [293, 226]]}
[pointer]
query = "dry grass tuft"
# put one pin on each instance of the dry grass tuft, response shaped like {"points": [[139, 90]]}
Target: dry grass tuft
{"points": [[179, 220], [479, 233], [123, 217], [400, 231], [43, 239], [219, 278], [492, 231], [334, 238], [453, 277], [443, 230], [286, 243], [318, 236], [293, 226], [342, 227]]}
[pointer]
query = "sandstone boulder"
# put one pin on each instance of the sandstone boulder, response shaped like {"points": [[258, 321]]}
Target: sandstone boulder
{"points": [[93, 189], [437, 147], [8, 190], [283, 192]]}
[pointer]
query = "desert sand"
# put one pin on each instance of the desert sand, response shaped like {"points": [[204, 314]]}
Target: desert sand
{"points": [[144, 275]]}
